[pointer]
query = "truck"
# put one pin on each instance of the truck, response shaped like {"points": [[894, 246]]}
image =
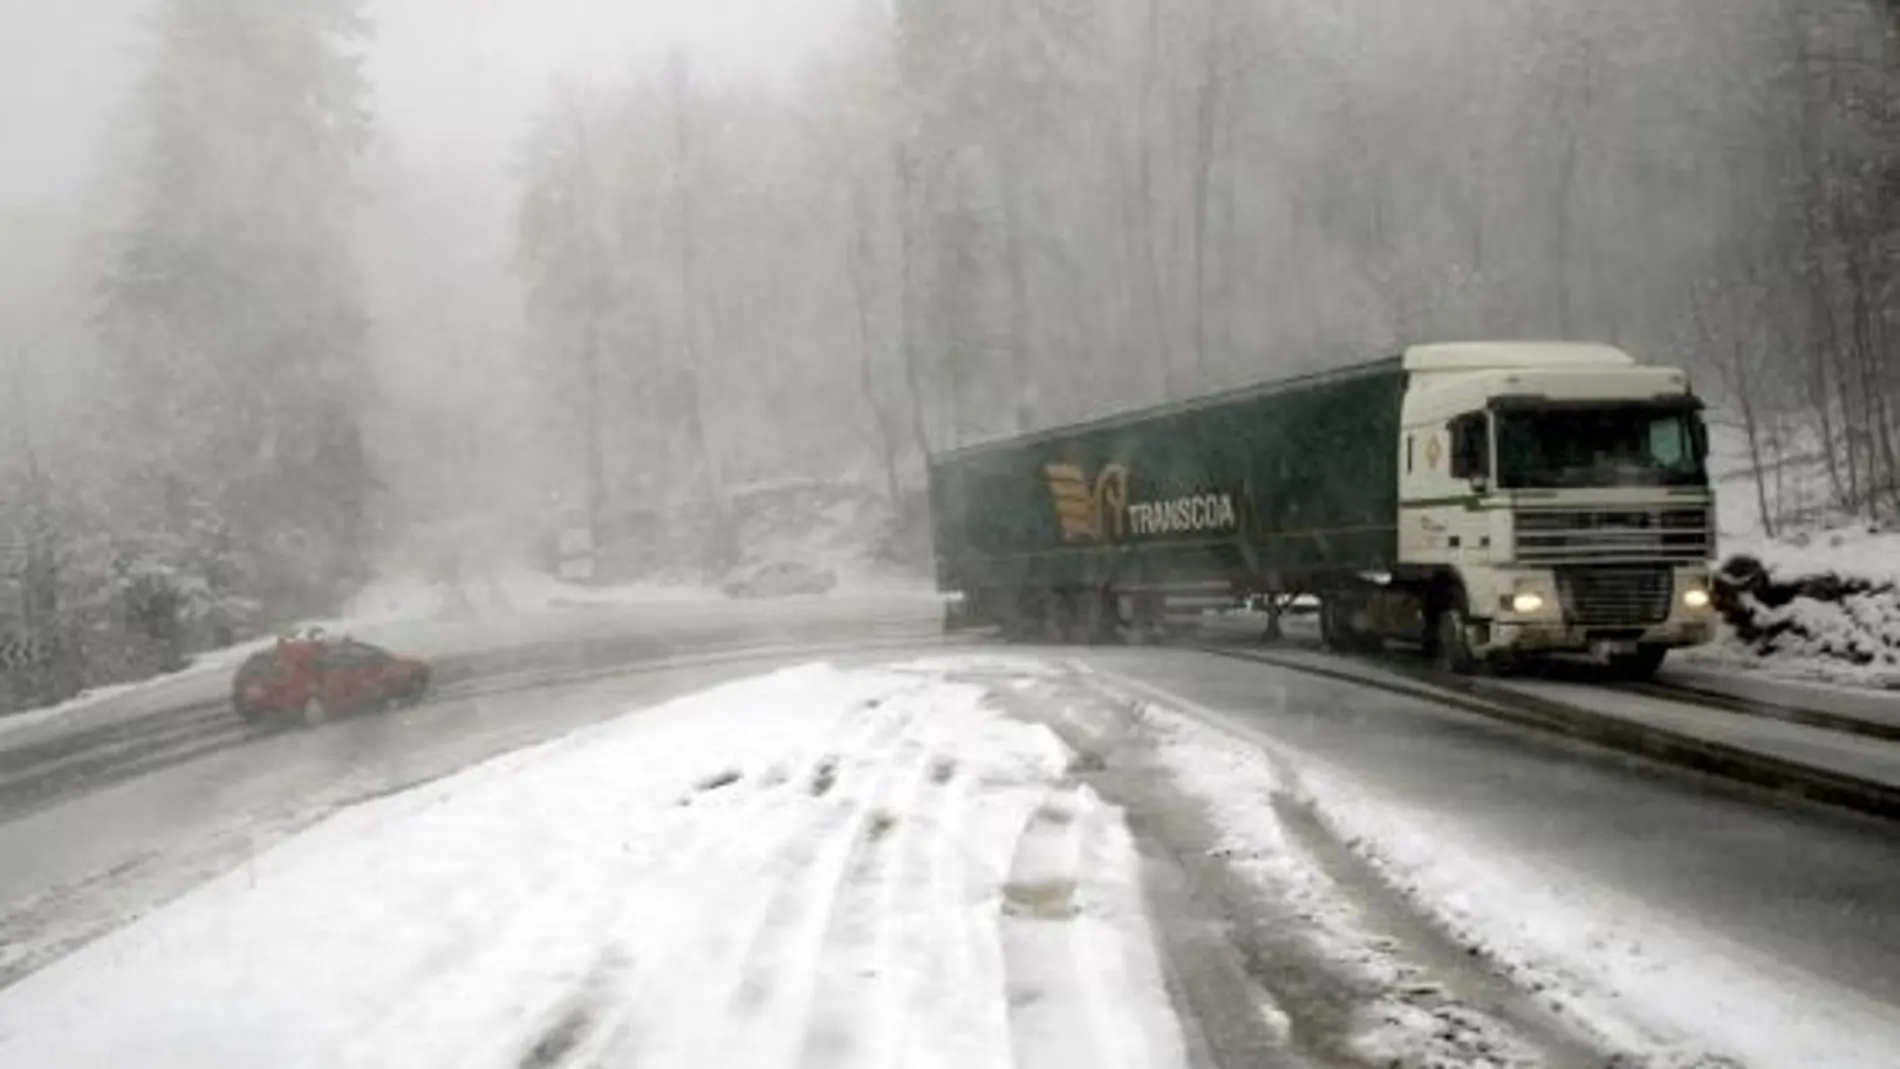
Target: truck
{"points": [[1488, 502]]}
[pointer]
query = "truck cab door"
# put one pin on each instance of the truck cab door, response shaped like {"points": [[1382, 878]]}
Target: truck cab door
{"points": [[1447, 470]]}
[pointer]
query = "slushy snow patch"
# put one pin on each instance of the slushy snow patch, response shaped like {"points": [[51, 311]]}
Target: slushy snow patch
{"points": [[1644, 983], [1404, 1019], [1653, 989], [817, 867]]}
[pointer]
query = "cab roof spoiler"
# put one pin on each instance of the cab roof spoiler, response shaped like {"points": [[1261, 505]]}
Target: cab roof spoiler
{"points": [[1667, 402]]}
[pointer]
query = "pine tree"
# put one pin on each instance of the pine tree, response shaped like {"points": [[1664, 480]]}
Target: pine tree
{"points": [[232, 310]]}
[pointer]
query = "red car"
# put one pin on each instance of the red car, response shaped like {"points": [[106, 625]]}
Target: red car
{"points": [[317, 677]]}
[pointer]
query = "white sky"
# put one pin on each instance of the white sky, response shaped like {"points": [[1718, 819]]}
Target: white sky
{"points": [[454, 77], [461, 74]]}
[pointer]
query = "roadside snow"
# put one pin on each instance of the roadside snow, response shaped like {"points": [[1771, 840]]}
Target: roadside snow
{"points": [[84, 700], [1654, 987], [818, 867], [1873, 629], [201, 665]]}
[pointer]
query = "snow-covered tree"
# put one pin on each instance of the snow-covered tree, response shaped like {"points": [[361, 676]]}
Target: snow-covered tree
{"points": [[231, 308]]}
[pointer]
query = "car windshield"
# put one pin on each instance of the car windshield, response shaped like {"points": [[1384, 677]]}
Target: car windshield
{"points": [[1613, 445]]}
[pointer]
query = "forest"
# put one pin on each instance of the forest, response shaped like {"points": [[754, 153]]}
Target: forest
{"points": [[959, 221]]}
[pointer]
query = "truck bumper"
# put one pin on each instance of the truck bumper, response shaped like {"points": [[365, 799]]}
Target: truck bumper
{"points": [[1691, 622], [1564, 638]]}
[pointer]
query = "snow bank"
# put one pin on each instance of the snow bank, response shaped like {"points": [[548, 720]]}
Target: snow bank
{"points": [[84, 700], [818, 867], [1825, 606]]}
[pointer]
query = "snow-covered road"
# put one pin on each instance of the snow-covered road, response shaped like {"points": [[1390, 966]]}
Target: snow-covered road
{"points": [[1660, 912], [815, 868], [1076, 857]]}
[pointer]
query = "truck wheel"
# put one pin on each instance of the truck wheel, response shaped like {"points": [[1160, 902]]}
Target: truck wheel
{"points": [[1333, 629], [1147, 611], [1639, 665], [1453, 638]]}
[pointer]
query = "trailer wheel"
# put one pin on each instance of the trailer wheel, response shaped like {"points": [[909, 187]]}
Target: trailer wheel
{"points": [[1098, 615], [1146, 611], [1017, 615], [1058, 617]]}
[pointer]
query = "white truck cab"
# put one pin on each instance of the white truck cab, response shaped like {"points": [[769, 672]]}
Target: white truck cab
{"points": [[1556, 497]]}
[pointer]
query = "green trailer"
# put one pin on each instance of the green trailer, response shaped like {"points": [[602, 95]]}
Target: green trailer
{"points": [[1265, 489], [1487, 500]]}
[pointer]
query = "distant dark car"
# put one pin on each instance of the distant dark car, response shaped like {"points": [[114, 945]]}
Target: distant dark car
{"points": [[316, 677], [783, 579]]}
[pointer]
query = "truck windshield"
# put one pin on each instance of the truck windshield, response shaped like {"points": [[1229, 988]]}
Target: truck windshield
{"points": [[1620, 445]]}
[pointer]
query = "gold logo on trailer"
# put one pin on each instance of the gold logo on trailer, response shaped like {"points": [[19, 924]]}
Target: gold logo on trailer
{"points": [[1089, 511], [1101, 511]]}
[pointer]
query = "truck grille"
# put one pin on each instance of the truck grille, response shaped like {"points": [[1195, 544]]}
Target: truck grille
{"points": [[1615, 597], [1584, 536]]}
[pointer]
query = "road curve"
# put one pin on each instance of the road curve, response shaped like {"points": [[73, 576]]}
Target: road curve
{"points": [[109, 816]]}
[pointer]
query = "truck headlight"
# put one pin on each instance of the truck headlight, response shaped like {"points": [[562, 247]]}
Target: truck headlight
{"points": [[1695, 598], [1527, 602]]}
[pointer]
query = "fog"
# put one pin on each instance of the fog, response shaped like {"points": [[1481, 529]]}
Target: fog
{"points": [[299, 297]]}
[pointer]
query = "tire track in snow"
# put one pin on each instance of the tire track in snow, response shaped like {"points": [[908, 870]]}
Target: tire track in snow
{"points": [[780, 982], [613, 1033], [854, 981], [1084, 982], [1052, 978], [955, 886], [606, 1003], [797, 884]]}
